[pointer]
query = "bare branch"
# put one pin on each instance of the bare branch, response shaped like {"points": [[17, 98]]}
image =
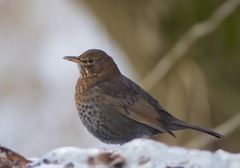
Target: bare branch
{"points": [[197, 31]]}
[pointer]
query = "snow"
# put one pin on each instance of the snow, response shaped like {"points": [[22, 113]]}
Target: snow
{"points": [[139, 153]]}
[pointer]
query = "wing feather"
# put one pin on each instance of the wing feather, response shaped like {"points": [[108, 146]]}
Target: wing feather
{"points": [[140, 111]]}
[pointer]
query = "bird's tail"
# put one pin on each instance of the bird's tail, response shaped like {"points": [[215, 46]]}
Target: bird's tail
{"points": [[178, 125]]}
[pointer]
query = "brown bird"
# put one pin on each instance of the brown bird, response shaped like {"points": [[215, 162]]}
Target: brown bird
{"points": [[115, 109]]}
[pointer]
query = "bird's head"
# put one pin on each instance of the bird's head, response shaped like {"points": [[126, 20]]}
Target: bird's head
{"points": [[95, 62]]}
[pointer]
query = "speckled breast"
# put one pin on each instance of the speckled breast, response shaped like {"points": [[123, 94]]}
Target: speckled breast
{"points": [[88, 108]]}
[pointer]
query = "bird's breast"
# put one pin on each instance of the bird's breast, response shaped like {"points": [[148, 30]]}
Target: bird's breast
{"points": [[88, 106]]}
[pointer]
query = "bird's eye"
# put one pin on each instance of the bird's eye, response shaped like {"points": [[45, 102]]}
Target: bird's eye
{"points": [[90, 60]]}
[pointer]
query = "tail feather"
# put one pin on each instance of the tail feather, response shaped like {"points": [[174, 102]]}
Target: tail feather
{"points": [[178, 124]]}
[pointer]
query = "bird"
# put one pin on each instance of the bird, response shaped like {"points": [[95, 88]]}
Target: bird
{"points": [[115, 109]]}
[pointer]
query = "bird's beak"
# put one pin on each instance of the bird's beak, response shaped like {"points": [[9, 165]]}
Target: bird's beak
{"points": [[72, 58]]}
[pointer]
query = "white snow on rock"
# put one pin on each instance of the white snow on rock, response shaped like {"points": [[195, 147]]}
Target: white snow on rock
{"points": [[139, 153]]}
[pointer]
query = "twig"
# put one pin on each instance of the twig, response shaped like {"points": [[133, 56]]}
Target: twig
{"points": [[196, 32], [225, 129]]}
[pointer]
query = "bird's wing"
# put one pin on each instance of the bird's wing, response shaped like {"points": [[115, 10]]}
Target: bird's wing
{"points": [[131, 101]]}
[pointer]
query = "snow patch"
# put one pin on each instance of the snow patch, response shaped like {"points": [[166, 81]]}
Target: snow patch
{"points": [[139, 153]]}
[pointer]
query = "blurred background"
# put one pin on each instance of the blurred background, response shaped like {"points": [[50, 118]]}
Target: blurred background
{"points": [[185, 53]]}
